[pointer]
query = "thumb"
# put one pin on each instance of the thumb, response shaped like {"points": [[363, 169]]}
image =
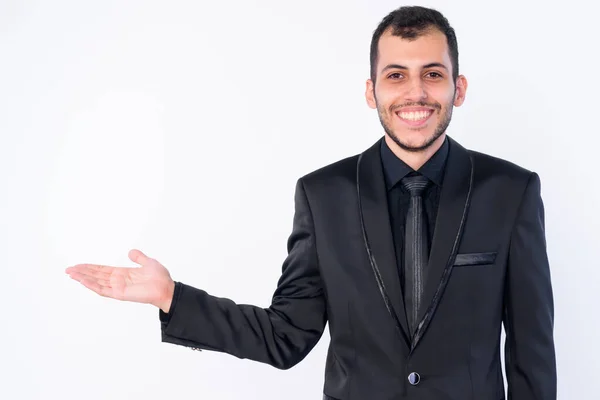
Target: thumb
{"points": [[138, 257]]}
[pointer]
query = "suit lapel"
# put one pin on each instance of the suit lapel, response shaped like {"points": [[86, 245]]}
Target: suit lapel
{"points": [[377, 233], [452, 210]]}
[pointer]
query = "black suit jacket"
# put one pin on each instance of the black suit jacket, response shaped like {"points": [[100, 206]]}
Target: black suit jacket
{"points": [[488, 266]]}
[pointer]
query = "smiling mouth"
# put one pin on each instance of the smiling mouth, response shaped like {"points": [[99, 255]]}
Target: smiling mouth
{"points": [[415, 119], [414, 116]]}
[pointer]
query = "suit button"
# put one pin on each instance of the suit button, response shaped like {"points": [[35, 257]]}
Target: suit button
{"points": [[414, 378]]}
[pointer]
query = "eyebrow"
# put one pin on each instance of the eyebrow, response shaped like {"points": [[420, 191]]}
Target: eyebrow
{"points": [[398, 66]]}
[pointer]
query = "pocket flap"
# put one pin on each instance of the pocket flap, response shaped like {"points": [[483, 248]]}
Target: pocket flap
{"points": [[466, 259]]}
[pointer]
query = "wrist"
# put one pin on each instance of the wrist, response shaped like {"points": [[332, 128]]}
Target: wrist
{"points": [[167, 298]]}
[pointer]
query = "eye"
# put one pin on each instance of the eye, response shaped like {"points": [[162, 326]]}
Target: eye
{"points": [[434, 75], [395, 75]]}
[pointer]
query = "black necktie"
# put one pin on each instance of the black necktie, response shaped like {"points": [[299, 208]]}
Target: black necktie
{"points": [[416, 248]]}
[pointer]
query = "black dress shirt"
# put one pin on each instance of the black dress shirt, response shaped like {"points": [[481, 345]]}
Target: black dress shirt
{"points": [[394, 169]]}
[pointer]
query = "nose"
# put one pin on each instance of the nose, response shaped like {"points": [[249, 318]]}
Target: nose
{"points": [[416, 91]]}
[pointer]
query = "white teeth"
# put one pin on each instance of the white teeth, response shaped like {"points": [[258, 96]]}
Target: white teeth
{"points": [[414, 116]]}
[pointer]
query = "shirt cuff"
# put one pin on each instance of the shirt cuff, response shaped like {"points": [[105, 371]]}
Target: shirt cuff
{"points": [[165, 317]]}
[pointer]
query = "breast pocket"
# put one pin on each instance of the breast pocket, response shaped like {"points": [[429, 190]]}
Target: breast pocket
{"points": [[475, 259]]}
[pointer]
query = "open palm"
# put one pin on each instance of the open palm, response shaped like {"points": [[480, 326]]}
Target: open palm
{"points": [[150, 283]]}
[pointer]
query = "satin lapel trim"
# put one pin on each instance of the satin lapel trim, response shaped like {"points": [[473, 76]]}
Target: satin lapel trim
{"points": [[377, 234], [452, 212]]}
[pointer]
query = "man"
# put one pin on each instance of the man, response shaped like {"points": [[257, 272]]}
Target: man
{"points": [[415, 251]]}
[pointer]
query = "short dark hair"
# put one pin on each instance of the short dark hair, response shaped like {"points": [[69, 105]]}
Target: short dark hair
{"points": [[410, 22]]}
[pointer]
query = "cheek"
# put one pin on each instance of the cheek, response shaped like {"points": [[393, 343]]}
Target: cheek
{"points": [[443, 96], [386, 98]]}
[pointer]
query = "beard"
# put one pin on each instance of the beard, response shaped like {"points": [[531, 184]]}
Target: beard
{"points": [[439, 129]]}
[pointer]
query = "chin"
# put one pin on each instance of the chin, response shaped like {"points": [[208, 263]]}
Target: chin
{"points": [[415, 141]]}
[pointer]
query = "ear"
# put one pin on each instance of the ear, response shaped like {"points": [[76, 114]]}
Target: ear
{"points": [[370, 94], [461, 90]]}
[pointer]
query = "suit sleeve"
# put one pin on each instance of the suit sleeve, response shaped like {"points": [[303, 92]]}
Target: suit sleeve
{"points": [[280, 335], [529, 308]]}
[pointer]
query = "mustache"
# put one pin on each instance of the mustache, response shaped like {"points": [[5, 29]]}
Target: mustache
{"points": [[436, 106]]}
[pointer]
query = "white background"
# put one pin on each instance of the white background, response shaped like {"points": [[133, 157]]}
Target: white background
{"points": [[180, 128]]}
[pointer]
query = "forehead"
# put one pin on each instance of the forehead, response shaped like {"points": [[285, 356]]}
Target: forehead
{"points": [[429, 47]]}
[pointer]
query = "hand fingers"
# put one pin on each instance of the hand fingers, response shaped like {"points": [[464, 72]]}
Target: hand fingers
{"points": [[100, 286], [80, 277], [138, 257], [95, 286], [92, 270]]}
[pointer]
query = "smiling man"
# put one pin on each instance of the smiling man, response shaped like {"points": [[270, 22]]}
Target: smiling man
{"points": [[416, 252], [415, 84]]}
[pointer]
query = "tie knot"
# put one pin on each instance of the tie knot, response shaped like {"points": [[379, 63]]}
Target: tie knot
{"points": [[415, 184]]}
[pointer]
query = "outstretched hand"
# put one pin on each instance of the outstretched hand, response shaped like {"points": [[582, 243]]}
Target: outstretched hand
{"points": [[151, 283]]}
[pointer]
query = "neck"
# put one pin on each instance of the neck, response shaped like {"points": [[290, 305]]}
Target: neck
{"points": [[415, 159]]}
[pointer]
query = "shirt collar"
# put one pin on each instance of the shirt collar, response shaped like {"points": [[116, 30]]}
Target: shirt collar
{"points": [[395, 169]]}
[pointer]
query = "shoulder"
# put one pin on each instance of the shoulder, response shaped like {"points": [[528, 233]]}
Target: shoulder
{"points": [[503, 175], [342, 170], [489, 165]]}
